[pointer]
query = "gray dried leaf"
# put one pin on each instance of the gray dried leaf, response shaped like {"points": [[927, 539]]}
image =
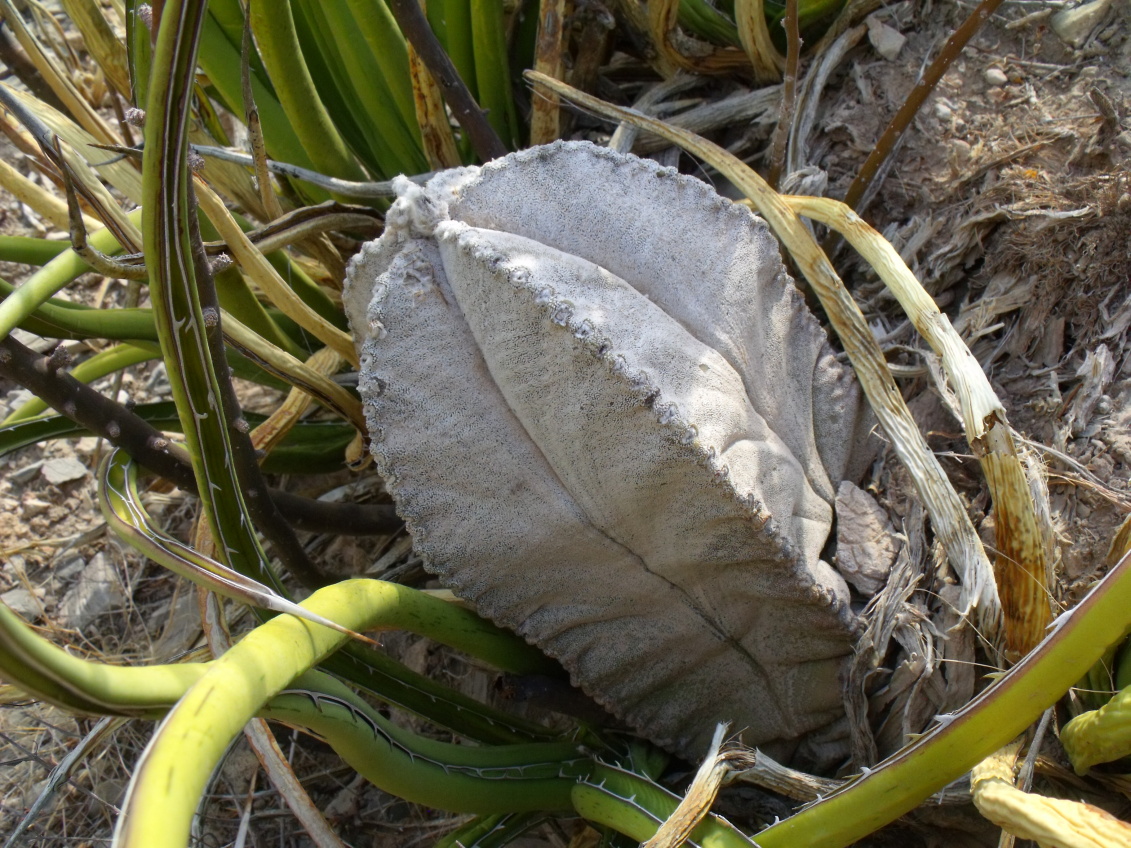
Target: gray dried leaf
{"points": [[611, 424], [866, 546]]}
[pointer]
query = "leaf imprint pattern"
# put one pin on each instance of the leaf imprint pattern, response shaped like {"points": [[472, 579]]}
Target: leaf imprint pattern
{"points": [[612, 425]]}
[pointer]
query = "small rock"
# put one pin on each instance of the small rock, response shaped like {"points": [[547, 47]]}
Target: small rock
{"points": [[23, 603], [886, 40], [1075, 25], [158, 382], [68, 568], [943, 110], [960, 151], [57, 471], [98, 590], [87, 445], [15, 399], [22, 475], [995, 77], [32, 506]]}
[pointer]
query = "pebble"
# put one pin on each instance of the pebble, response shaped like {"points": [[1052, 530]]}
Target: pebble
{"points": [[68, 568], [31, 507], [1076, 24], [57, 471], [995, 77], [23, 603], [22, 475], [87, 445], [886, 40], [97, 591]]}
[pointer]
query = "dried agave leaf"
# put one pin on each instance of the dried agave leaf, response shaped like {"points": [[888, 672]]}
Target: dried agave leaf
{"points": [[1046, 821], [611, 424]]}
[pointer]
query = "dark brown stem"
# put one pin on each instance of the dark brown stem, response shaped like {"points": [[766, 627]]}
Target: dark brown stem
{"points": [[917, 98], [96, 259], [411, 20], [148, 446], [788, 93], [264, 513]]}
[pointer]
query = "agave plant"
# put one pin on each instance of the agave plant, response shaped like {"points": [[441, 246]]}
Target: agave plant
{"points": [[242, 266]]}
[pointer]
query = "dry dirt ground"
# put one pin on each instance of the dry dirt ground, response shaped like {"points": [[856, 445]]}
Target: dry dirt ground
{"points": [[1011, 200]]}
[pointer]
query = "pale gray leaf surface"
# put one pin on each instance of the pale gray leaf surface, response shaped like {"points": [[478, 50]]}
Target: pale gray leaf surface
{"points": [[611, 424], [866, 544]]}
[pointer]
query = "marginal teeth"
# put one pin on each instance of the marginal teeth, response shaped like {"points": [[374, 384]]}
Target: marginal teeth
{"points": [[561, 314]]}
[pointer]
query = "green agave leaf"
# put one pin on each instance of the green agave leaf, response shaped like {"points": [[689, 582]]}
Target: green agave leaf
{"points": [[229, 17], [222, 63], [311, 447], [709, 22], [27, 250], [274, 27], [492, 69], [61, 319], [139, 52], [451, 21], [372, 50], [388, 48], [328, 74]]}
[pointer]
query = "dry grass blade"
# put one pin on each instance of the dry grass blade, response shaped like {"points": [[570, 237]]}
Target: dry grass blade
{"points": [[310, 379], [103, 44], [798, 785], [750, 15], [697, 801], [259, 270], [1120, 544], [45, 204], [272, 431], [948, 513], [62, 773], [1046, 821], [435, 128], [680, 50], [270, 202], [120, 173], [56, 78], [59, 140], [624, 138], [95, 193], [549, 53], [1024, 541]]}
